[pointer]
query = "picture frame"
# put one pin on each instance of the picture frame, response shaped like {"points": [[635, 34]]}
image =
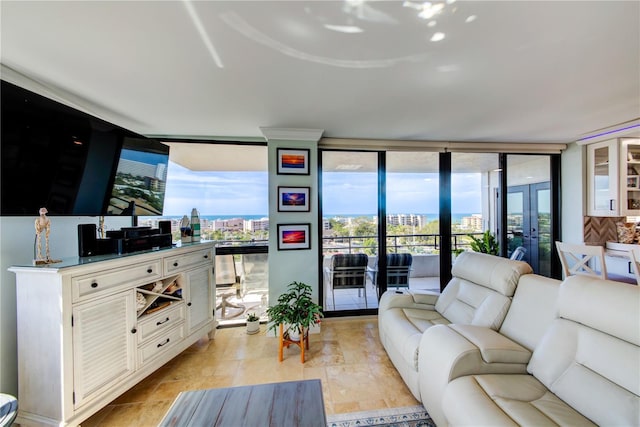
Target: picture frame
{"points": [[293, 161], [632, 182], [294, 237], [293, 199]]}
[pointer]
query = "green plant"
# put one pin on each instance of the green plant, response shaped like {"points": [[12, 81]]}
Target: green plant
{"points": [[295, 308], [487, 244], [251, 317]]}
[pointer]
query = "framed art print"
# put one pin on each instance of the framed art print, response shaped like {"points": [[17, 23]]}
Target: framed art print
{"points": [[293, 199], [294, 236], [293, 161]]}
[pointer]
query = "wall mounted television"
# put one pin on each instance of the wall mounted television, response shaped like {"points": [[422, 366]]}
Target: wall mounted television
{"points": [[73, 163]]}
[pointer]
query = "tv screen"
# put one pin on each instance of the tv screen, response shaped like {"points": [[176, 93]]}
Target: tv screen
{"points": [[57, 157], [140, 180]]}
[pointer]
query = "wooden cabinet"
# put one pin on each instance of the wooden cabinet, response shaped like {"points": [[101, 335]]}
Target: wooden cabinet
{"points": [[103, 345], [91, 328], [613, 174]]}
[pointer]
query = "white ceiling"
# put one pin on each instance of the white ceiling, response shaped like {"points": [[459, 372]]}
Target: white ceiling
{"points": [[522, 71]]}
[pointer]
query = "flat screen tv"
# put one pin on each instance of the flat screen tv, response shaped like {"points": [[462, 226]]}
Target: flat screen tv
{"points": [[140, 179], [57, 157]]}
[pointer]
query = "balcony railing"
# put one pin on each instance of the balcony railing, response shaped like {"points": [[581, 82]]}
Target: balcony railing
{"points": [[410, 243]]}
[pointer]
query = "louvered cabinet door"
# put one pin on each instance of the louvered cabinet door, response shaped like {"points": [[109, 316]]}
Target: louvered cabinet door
{"points": [[199, 298], [103, 344]]}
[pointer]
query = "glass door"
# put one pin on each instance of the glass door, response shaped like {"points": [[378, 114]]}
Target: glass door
{"points": [[529, 214], [474, 181], [349, 206], [412, 211]]}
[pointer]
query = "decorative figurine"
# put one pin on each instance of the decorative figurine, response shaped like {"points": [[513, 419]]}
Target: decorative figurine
{"points": [[43, 223]]}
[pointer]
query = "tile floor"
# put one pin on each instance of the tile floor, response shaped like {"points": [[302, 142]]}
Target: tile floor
{"points": [[346, 356]]}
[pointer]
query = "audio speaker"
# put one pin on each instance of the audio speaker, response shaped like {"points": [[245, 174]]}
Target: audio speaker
{"points": [[165, 227], [87, 239]]}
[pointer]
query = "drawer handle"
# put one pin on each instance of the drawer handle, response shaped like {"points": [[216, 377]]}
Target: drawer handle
{"points": [[94, 285], [175, 264], [164, 321], [150, 270], [188, 304], [163, 343], [134, 330], [206, 256]]}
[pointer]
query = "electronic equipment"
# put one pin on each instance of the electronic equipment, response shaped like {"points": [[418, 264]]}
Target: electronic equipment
{"points": [[123, 241], [72, 163]]}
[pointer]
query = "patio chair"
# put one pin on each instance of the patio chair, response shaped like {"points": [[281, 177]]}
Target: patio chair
{"points": [[398, 270], [227, 285], [348, 271], [518, 253], [255, 276]]}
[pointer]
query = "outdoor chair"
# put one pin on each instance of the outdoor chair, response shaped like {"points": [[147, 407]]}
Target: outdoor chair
{"points": [[227, 285], [255, 276], [348, 271], [398, 270]]}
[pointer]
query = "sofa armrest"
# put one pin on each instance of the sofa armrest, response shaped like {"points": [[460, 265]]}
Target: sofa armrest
{"points": [[494, 348], [446, 354], [408, 299]]}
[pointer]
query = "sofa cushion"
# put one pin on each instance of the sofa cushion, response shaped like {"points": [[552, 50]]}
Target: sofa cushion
{"points": [[506, 400], [532, 310]]}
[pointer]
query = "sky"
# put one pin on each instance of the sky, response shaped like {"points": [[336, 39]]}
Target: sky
{"points": [[245, 193]]}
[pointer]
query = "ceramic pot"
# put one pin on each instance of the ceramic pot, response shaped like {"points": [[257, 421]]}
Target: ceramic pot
{"points": [[253, 327]]}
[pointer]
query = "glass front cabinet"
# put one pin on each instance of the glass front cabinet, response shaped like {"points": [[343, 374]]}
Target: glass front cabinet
{"points": [[630, 176], [614, 177]]}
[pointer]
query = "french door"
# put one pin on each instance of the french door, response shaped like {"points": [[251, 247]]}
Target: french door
{"points": [[529, 224]]}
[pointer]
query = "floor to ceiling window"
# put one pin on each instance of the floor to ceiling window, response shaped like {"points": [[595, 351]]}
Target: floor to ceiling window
{"points": [[350, 229], [228, 185], [432, 206], [474, 182], [412, 219]]}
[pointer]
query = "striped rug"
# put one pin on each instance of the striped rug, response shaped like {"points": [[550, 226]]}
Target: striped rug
{"points": [[411, 416]]}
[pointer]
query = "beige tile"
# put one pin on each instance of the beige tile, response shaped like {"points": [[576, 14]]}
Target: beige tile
{"points": [[346, 356]]}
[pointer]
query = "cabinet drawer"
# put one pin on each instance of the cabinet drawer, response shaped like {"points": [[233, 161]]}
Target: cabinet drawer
{"points": [[184, 261], [94, 284], [160, 344], [161, 321]]}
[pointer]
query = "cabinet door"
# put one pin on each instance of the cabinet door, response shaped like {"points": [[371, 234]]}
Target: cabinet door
{"points": [[103, 344], [630, 176], [602, 169], [199, 297]]}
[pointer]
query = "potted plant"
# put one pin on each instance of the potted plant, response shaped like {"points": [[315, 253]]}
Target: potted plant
{"points": [[295, 310], [253, 323], [487, 244]]}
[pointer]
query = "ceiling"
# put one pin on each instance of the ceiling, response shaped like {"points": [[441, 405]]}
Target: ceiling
{"points": [[505, 71]]}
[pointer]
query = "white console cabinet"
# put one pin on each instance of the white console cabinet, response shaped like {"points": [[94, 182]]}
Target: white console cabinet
{"points": [[91, 328]]}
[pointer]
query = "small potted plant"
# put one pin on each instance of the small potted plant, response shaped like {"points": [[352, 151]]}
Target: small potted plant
{"points": [[295, 310], [253, 323]]}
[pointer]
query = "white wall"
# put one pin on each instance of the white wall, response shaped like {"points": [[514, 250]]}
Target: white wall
{"points": [[17, 236], [292, 265], [573, 182]]}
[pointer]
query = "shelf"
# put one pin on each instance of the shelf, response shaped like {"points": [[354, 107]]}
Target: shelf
{"points": [[159, 294]]}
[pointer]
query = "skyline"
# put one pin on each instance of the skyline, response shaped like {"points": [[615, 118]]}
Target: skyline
{"points": [[345, 193]]}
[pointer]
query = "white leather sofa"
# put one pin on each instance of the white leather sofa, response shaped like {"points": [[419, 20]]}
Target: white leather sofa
{"points": [[585, 370], [478, 294], [567, 353], [451, 351]]}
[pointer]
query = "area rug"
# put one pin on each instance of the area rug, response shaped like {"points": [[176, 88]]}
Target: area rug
{"points": [[410, 416]]}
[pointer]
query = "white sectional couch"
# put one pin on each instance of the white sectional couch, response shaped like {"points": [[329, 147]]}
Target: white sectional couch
{"points": [[566, 354]]}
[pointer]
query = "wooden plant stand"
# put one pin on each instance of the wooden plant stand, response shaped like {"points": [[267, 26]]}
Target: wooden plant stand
{"points": [[286, 342]]}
